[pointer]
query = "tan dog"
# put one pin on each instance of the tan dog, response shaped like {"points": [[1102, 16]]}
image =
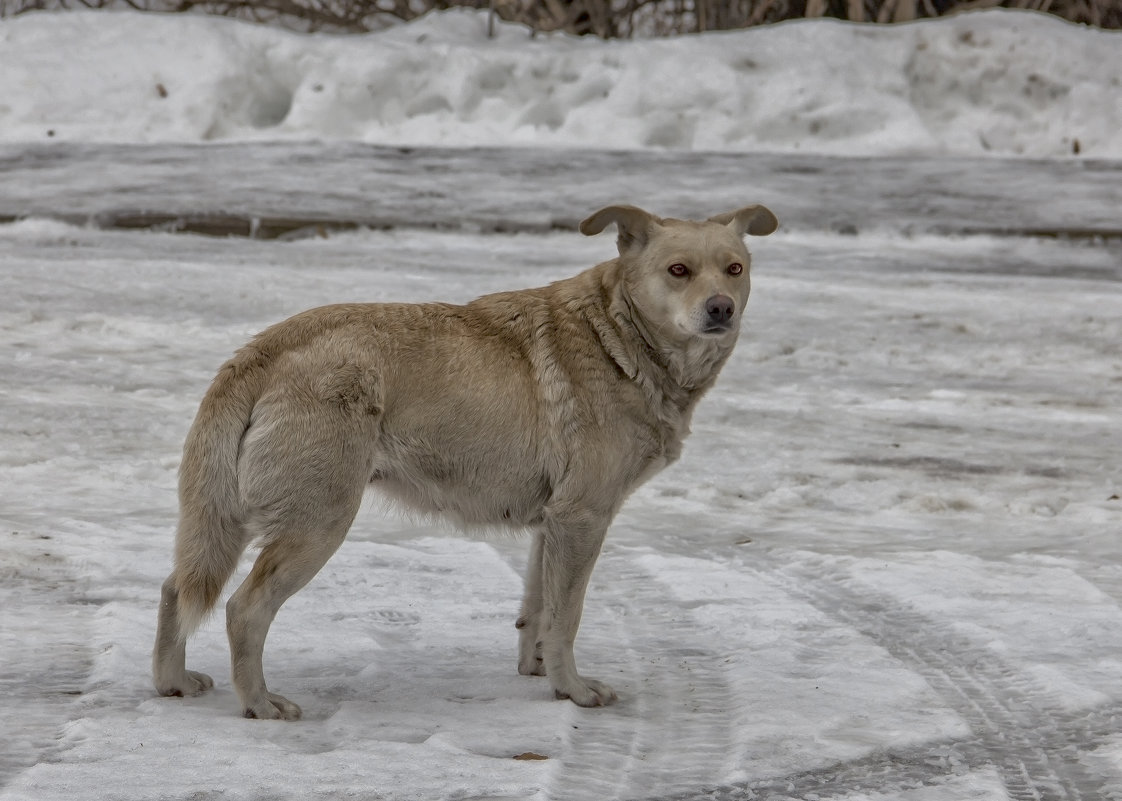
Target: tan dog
{"points": [[540, 409]]}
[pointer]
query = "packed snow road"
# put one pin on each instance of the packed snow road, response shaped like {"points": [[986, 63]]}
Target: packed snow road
{"points": [[888, 565], [271, 189]]}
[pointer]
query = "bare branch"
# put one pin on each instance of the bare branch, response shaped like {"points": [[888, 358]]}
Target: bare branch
{"points": [[602, 18]]}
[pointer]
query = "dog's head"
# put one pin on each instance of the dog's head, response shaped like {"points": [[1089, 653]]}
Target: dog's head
{"points": [[688, 280]]}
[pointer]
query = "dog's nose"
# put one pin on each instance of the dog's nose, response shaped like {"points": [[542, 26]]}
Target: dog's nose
{"points": [[720, 309]]}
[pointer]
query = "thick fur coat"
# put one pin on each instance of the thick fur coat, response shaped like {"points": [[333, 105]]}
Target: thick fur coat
{"points": [[539, 409]]}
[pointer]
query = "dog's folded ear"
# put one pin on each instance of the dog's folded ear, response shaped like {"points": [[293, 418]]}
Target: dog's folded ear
{"points": [[755, 220], [633, 223]]}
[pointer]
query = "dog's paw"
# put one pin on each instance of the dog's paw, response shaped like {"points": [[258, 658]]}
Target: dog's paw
{"points": [[530, 661], [588, 692], [272, 707], [531, 666], [190, 683]]}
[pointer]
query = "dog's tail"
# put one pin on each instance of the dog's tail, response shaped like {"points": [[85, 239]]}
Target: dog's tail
{"points": [[212, 534]]}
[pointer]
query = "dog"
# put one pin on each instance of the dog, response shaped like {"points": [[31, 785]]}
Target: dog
{"points": [[540, 410]]}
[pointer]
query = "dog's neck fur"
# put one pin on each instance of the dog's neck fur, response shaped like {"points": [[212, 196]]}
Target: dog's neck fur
{"points": [[686, 374]]}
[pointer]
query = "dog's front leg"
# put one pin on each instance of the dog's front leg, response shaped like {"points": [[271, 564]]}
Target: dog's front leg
{"points": [[529, 623], [570, 543]]}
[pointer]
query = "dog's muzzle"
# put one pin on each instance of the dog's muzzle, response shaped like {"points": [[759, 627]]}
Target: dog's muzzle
{"points": [[720, 310]]}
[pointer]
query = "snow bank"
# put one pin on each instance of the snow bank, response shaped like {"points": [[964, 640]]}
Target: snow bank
{"points": [[1000, 82]]}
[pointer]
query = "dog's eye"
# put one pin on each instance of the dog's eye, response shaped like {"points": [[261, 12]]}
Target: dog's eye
{"points": [[678, 270], [736, 268]]}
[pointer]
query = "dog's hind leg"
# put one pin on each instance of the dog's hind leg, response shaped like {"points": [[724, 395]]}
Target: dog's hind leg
{"points": [[304, 494], [529, 621], [169, 658], [285, 564], [208, 543], [303, 467]]}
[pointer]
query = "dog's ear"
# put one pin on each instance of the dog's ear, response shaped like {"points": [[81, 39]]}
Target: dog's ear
{"points": [[755, 220], [633, 223]]}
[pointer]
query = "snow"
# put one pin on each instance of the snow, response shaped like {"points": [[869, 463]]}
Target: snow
{"points": [[887, 565], [1007, 83]]}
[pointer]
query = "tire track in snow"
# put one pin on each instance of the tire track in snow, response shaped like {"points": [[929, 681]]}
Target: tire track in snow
{"points": [[656, 744], [671, 732], [1036, 751], [1025, 763]]}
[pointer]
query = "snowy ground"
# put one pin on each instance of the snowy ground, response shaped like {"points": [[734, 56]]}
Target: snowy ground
{"points": [[888, 565]]}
